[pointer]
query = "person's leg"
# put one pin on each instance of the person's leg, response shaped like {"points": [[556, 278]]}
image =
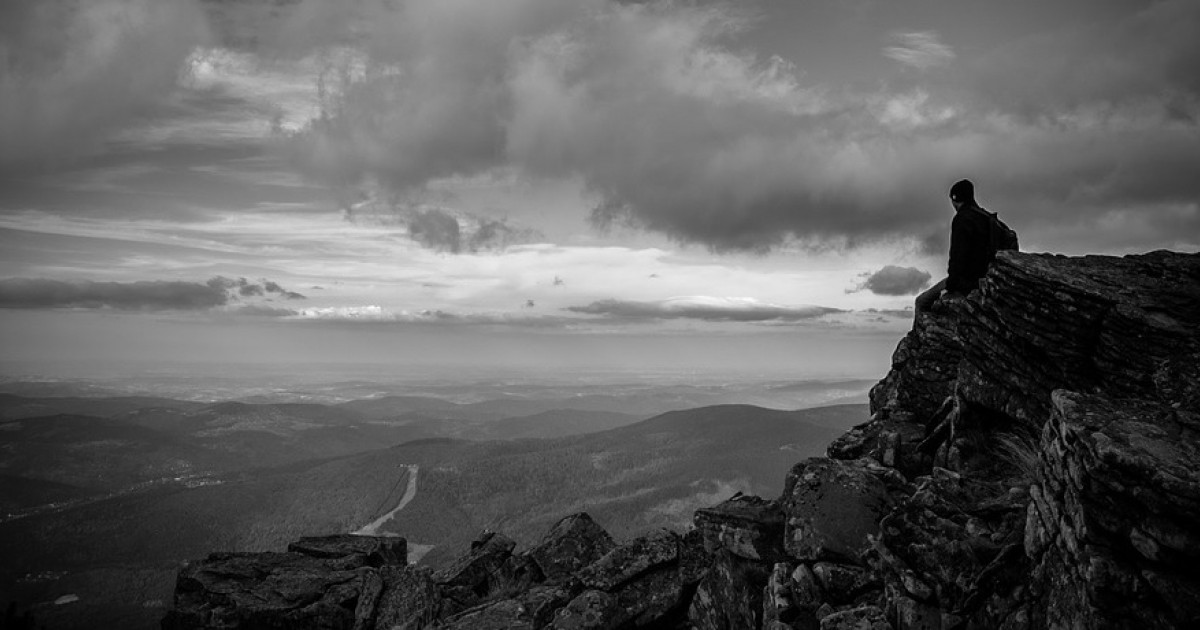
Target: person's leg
{"points": [[926, 300]]}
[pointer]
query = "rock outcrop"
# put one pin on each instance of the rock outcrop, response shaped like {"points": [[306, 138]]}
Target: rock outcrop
{"points": [[1032, 460]]}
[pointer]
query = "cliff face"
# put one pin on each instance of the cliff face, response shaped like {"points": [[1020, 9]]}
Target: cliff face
{"points": [[1032, 460]]}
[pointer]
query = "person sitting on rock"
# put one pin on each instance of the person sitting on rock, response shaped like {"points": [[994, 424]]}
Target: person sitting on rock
{"points": [[971, 248]]}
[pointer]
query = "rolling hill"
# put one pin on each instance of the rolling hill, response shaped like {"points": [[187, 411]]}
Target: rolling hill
{"points": [[119, 554]]}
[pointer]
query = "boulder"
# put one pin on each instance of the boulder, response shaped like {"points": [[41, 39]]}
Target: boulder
{"points": [[831, 506], [630, 560], [590, 610], [1112, 525], [374, 551], [653, 600], [282, 590], [779, 605], [409, 600], [843, 583], [746, 526], [893, 441], [571, 544], [730, 595], [543, 601], [472, 577], [1042, 322]]}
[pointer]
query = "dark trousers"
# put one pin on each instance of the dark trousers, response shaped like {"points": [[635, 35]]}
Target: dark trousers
{"points": [[926, 300]]}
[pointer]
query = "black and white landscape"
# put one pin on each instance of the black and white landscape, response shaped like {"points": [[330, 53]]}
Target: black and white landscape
{"points": [[103, 497], [278, 268]]}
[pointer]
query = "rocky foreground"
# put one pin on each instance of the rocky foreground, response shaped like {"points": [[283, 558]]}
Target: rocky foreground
{"points": [[1032, 461]]}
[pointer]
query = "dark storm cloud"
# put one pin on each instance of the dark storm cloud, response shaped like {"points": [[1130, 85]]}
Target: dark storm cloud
{"points": [[145, 295], [28, 293], [71, 71], [707, 309], [435, 229], [245, 288], [673, 131], [893, 280], [443, 230], [492, 235], [656, 111], [249, 290]]}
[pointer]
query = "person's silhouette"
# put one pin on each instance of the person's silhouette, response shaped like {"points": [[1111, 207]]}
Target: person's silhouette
{"points": [[971, 248]]}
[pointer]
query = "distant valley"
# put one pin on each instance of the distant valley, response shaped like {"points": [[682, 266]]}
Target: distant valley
{"points": [[101, 498]]}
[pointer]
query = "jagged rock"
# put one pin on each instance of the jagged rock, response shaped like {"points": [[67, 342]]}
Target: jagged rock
{"points": [[777, 597], [914, 615], [861, 618], [630, 560], [591, 610], [831, 506], [521, 572], [745, 525], [650, 577], [1042, 322], [694, 561], [409, 600], [505, 614], [939, 545], [731, 595], [1112, 526], [843, 583], [892, 441], [924, 368], [652, 600], [473, 576], [374, 551], [541, 602], [283, 590], [806, 593], [573, 543]]}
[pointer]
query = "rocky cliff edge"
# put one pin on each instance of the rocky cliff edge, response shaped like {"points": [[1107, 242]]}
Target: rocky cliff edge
{"points": [[1032, 460]]}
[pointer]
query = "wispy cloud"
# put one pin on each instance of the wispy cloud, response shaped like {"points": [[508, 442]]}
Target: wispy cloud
{"points": [[919, 49], [713, 309]]}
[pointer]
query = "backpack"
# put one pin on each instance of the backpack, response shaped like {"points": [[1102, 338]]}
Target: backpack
{"points": [[1000, 236]]}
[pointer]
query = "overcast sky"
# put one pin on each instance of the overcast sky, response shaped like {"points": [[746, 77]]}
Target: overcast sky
{"points": [[756, 184]]}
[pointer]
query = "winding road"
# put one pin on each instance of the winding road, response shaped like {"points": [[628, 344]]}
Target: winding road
{"points": [[372, 528]]}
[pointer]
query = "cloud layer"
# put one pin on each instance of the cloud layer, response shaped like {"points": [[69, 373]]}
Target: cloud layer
{"points": [[710, 309], [663, 111], [145, 295], [673, 129]]}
